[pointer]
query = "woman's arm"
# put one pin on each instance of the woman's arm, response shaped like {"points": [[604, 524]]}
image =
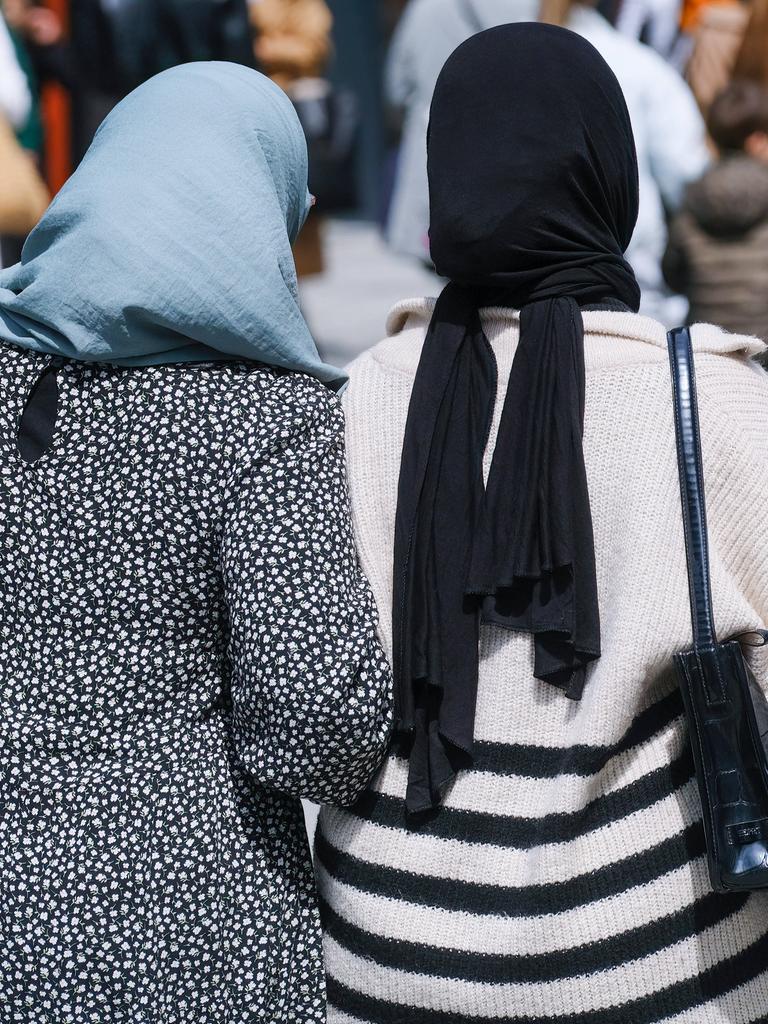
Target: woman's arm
{"points": [[311, 687]]}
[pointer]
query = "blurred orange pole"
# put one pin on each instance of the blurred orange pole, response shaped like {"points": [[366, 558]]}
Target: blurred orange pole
{"points": [[57, 121]]}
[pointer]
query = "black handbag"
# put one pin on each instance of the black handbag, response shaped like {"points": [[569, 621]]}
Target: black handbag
{"points": [[726, 709]]}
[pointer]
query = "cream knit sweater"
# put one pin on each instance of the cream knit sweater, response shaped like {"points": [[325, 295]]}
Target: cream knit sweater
{"points": [[563, 880]]}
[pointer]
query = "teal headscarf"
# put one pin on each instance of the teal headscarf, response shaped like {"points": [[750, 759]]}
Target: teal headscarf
{"points": [[172, 241]]}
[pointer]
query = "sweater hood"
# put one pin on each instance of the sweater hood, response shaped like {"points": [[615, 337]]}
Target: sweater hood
{"points": [[731, 197]]}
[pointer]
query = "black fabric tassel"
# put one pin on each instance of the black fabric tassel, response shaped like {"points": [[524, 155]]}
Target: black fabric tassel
{"points": [[519, 554], [436, 630], [533, 561]]}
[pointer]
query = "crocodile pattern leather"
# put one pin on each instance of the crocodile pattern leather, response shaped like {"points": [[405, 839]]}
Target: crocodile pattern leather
{"points": [[726, 709], [692, 486]]}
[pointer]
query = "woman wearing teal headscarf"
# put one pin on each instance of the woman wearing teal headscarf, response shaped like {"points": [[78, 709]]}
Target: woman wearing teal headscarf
{"points": [[187, 644]]}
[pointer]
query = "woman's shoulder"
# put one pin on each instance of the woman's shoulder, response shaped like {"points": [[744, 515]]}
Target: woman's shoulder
{"points": [[261, 409], [406, 327], [714, 340], [254, 387], [281, 404], [732, 384], [611, 339], [400, 350], [631, 339]]}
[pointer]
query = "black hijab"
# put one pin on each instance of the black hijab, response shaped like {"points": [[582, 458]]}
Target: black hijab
{"points": [[533, 197]]}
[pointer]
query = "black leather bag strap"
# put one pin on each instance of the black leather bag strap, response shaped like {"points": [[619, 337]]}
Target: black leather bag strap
{"points": [[692, 486]]}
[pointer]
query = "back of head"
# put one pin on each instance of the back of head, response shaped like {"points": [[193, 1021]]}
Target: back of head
{"points": [[172, 240], [532, 166], [738, 112]]}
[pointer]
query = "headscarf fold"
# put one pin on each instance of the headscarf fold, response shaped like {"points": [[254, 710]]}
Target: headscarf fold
{"points": [[171, 242], [533, 195]]}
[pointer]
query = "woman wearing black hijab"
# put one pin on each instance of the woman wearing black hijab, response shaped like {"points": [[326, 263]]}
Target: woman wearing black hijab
{"points": [[533, 850]]}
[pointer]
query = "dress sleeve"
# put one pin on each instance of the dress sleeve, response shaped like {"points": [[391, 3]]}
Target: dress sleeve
{"points": [[311, 686]]}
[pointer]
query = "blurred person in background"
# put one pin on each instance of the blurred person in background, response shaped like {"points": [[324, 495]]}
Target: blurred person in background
{"points": [[391, 13], [715, 32], [187, 643], [718, 247], [38, 36], [669, 131], [533, 848], [292, 39], [426, 35], [670, 137], [730, 42], [117, 44], [656, 22], [691, 11], [23, 196], [293, 46], [41, 42], [43, 32], [751, 61], [15, 95], [17, 13]]}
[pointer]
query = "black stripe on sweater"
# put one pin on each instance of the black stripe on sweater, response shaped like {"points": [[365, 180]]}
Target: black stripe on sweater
{"points": [[497, 969], [531, 761], [524, 901], [525, 833], [718, 980]]}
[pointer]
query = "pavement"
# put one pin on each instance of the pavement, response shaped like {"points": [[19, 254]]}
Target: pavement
{"points": [[347, 306]]}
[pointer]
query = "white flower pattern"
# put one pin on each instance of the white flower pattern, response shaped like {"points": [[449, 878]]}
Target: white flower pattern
{"points": [[187, 646]]}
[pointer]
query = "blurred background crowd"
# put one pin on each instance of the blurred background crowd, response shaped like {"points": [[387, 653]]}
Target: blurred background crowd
{"points": [[361, 75]]}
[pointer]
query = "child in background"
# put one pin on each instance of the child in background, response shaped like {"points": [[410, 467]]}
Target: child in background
{"points": [[718, 244]]}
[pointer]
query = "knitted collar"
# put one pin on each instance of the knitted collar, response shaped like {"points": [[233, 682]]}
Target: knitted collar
{"points": [[626, 326]]}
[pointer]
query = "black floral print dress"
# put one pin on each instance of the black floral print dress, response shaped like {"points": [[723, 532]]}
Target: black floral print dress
{"points": [[187, 646]]}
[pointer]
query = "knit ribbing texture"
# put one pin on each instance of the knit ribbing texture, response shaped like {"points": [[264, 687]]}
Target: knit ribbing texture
{"points": [[564, 879]]}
